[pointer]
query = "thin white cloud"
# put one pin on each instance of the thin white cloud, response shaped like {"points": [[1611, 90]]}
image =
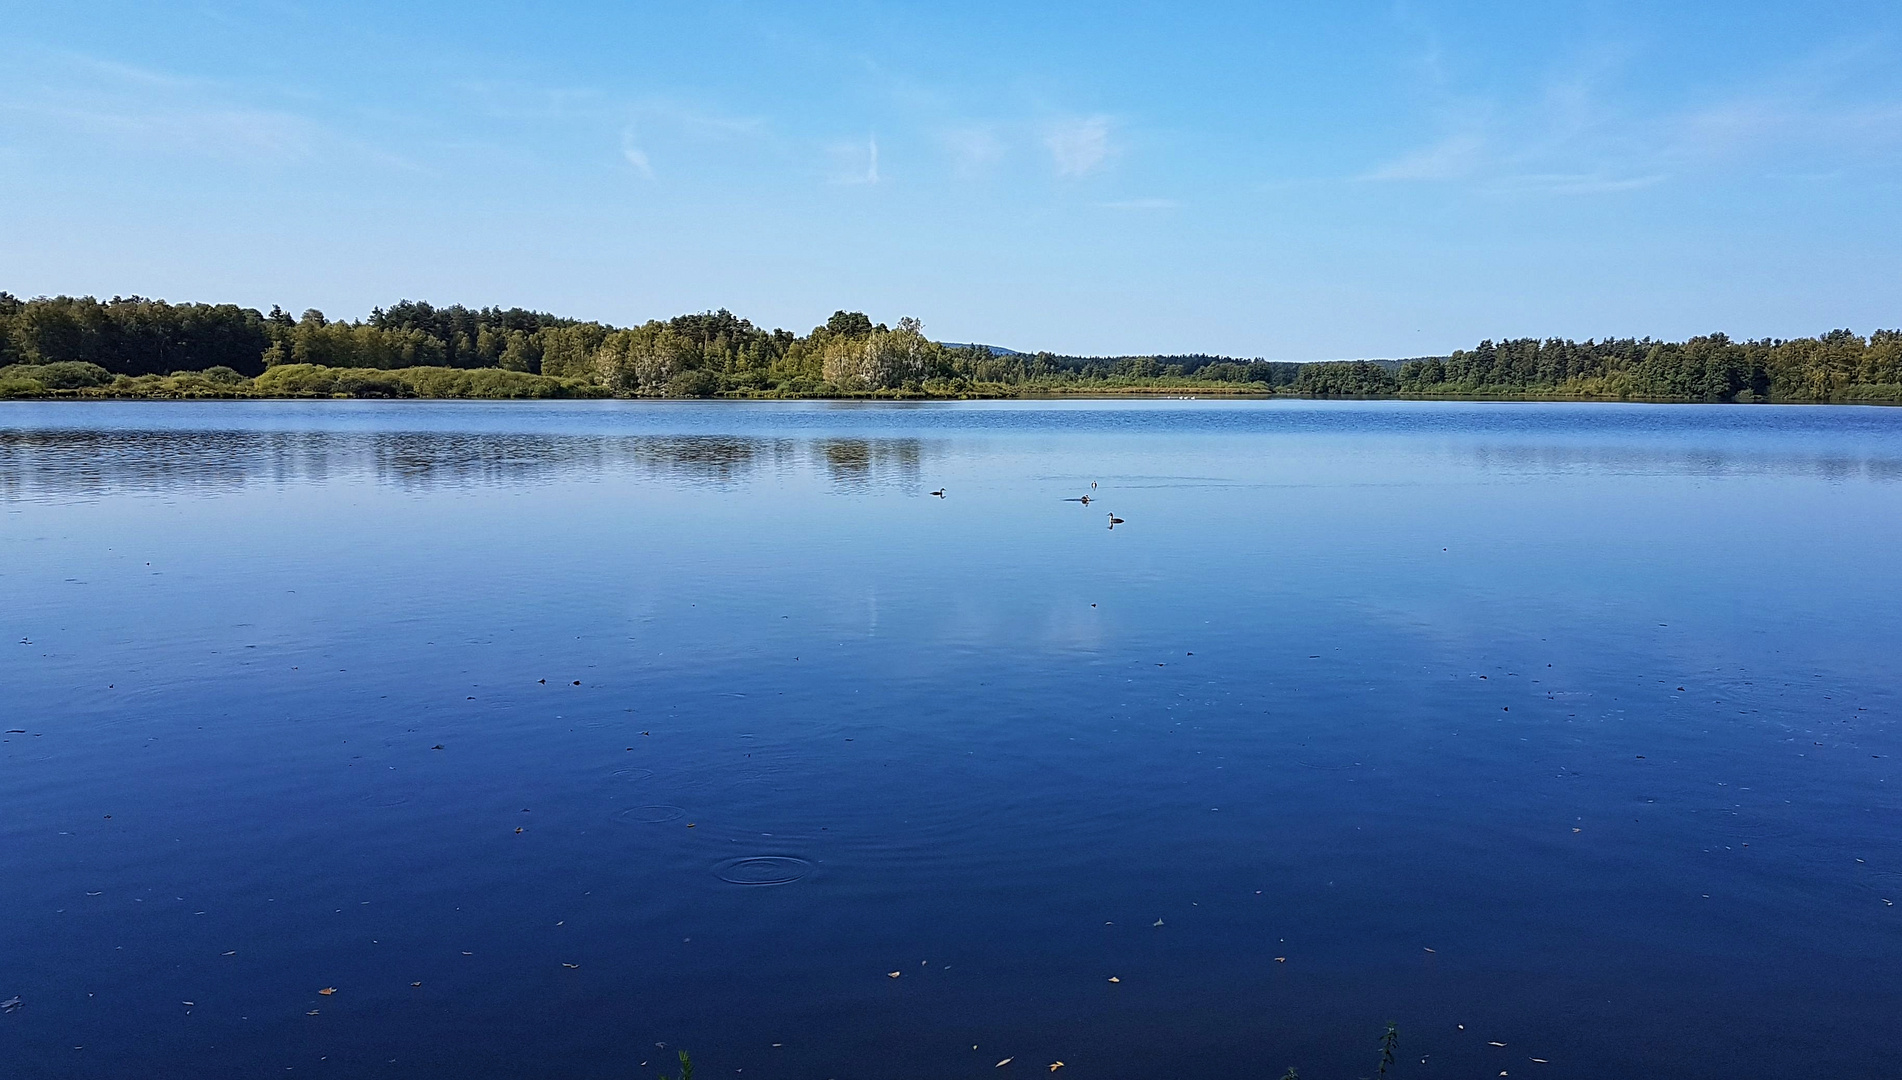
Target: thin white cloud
{"points": [[1593, 131], [513, 100], [124, 107], [855, 163], [1577, 184], [635, 156], [701, 123], [973, 149], [1079, 146], [1451, 158]]}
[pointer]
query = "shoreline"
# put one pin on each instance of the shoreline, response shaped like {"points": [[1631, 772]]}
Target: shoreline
{"points": [[1042, 394]]}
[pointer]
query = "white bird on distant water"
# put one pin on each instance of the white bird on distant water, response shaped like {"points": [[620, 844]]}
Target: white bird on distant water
{"points": [[1115, 521]]}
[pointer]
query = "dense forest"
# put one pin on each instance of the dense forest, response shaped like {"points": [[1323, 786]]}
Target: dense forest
{"points": [[134, 347]]}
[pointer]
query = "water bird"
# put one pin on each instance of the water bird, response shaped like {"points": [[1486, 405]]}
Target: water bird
{"points": [[939, 493], [1114, 521]]}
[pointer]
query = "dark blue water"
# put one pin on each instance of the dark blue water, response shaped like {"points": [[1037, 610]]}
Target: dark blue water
{"points": [[549, 734]]}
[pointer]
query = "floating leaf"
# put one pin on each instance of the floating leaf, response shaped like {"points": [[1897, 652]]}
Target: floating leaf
{"points": [[1055, 1065], [1115, 979], [327, 991], [893, 974], [1003, 1063]]}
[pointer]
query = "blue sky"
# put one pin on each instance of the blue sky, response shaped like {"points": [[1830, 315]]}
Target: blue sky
{"points": [[1295, 181]]}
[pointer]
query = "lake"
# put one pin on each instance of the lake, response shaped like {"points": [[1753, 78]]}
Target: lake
{"points": [[555, 737]]}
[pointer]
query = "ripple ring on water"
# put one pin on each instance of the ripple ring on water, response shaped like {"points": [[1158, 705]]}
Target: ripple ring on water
{"points": [[763, 870], [651, 815]]}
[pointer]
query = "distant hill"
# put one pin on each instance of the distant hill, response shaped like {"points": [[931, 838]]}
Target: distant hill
{"points": [[996, 350]]}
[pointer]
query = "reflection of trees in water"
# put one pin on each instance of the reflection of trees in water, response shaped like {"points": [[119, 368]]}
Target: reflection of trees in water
{"points": [[428, 459], [1681, 460], [99, 463], [858, 462]]}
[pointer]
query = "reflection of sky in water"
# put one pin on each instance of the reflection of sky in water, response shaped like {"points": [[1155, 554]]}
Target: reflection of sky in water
{"points": [[1340, 690]]}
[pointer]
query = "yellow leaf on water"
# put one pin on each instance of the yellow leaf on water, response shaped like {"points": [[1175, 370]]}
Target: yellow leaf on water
{"points": [[313, 1012], [1055, 1065], [1281, 959], [1496, 1044], [568, 965], [1115, 979], [1003, 1063], [327, 991], [893, 974]]}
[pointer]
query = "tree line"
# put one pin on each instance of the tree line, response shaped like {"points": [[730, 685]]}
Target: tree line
{"points": [[134, 346], [1837, 366]]}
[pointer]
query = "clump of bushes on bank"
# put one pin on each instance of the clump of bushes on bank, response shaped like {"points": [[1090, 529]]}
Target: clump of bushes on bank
{"points": [[316, 380], [74, 379]]}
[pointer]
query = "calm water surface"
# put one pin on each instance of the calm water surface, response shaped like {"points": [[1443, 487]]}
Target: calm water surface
{"points": [[548, 734]]}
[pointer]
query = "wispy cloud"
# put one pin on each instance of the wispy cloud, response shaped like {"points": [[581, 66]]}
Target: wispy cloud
{"points": [[1140, 204], [1586, 132], [515, 100], [855, 163], [1451, 158], [648, 127], [1079, 146], [126, 107], [1577, 183], [973, 148], [634, 155]]}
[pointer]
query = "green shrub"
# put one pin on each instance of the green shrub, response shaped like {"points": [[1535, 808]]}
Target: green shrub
{"points": [[308, 380], [693, 384], [62, 375]]}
